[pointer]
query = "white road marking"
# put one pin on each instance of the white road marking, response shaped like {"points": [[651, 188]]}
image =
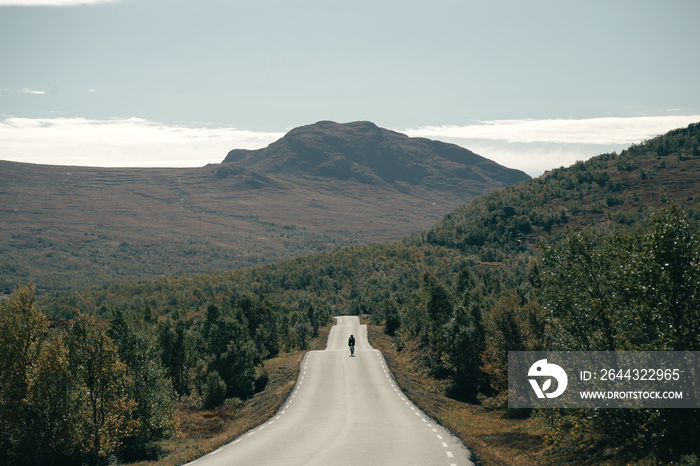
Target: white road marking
{"points": [[444, 444], [449, 454], [216, 451]]}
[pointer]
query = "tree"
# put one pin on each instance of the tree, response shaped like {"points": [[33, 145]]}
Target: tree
{"points": [[504, 333], [510, 326], [151, 389], [214, 391], [51, 402], [579, 288], [667, 291], [176, 351], [629, 290], [465, 343], [466, 338], [438, 305], [22, 329], [392, 319], [103, 408]]}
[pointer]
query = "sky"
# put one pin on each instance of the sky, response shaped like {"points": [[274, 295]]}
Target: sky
{"points": [[532, 85]]}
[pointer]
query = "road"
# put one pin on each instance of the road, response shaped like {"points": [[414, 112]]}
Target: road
{"points": [[344, 411]]}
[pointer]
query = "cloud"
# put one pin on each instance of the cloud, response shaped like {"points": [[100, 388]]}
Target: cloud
{"points": [[535, 146], [52, 2], [607, 130], [31, 91], [131, 142]]}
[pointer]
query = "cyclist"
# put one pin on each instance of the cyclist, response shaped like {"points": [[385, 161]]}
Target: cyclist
{"points": [[351, 344]]}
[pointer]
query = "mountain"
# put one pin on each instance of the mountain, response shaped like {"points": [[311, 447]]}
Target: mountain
{"points": [[363, 152], [320, 187]]}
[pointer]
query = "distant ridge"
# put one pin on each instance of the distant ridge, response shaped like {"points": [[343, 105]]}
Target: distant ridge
{"points": [[364, 152]]}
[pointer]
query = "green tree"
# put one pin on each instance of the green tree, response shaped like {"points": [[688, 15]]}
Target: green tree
{"points": [[51, 400], [667, 286], [438, 306], [392, 318], [151, 389], [466, 338], [579, 287], [511, 325], [104, 410], [176, 351], [643, 285], [214, 391], [22, 329], [504, 333]]}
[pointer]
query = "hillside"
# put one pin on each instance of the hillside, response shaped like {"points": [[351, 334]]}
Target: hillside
{"points": [[489, 234], [320, 187], [603, 255], [609, 189]]}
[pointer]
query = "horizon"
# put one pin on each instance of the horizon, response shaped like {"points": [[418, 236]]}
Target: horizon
{"points": [[528, 145]]}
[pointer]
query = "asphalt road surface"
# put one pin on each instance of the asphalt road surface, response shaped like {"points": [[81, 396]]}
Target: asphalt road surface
{"points": [[344, 411]]}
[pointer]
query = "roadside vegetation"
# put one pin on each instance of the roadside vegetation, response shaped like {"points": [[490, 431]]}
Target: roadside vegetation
{"points": [[603, 255]]}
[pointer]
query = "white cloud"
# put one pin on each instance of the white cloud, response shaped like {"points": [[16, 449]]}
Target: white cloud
{"points": [[52, 2], [529, 145], [535, 146], [31, 91], [131, 142], [607, 130]]}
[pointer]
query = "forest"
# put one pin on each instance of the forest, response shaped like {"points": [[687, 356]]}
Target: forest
{"points": [[602, 255]]}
